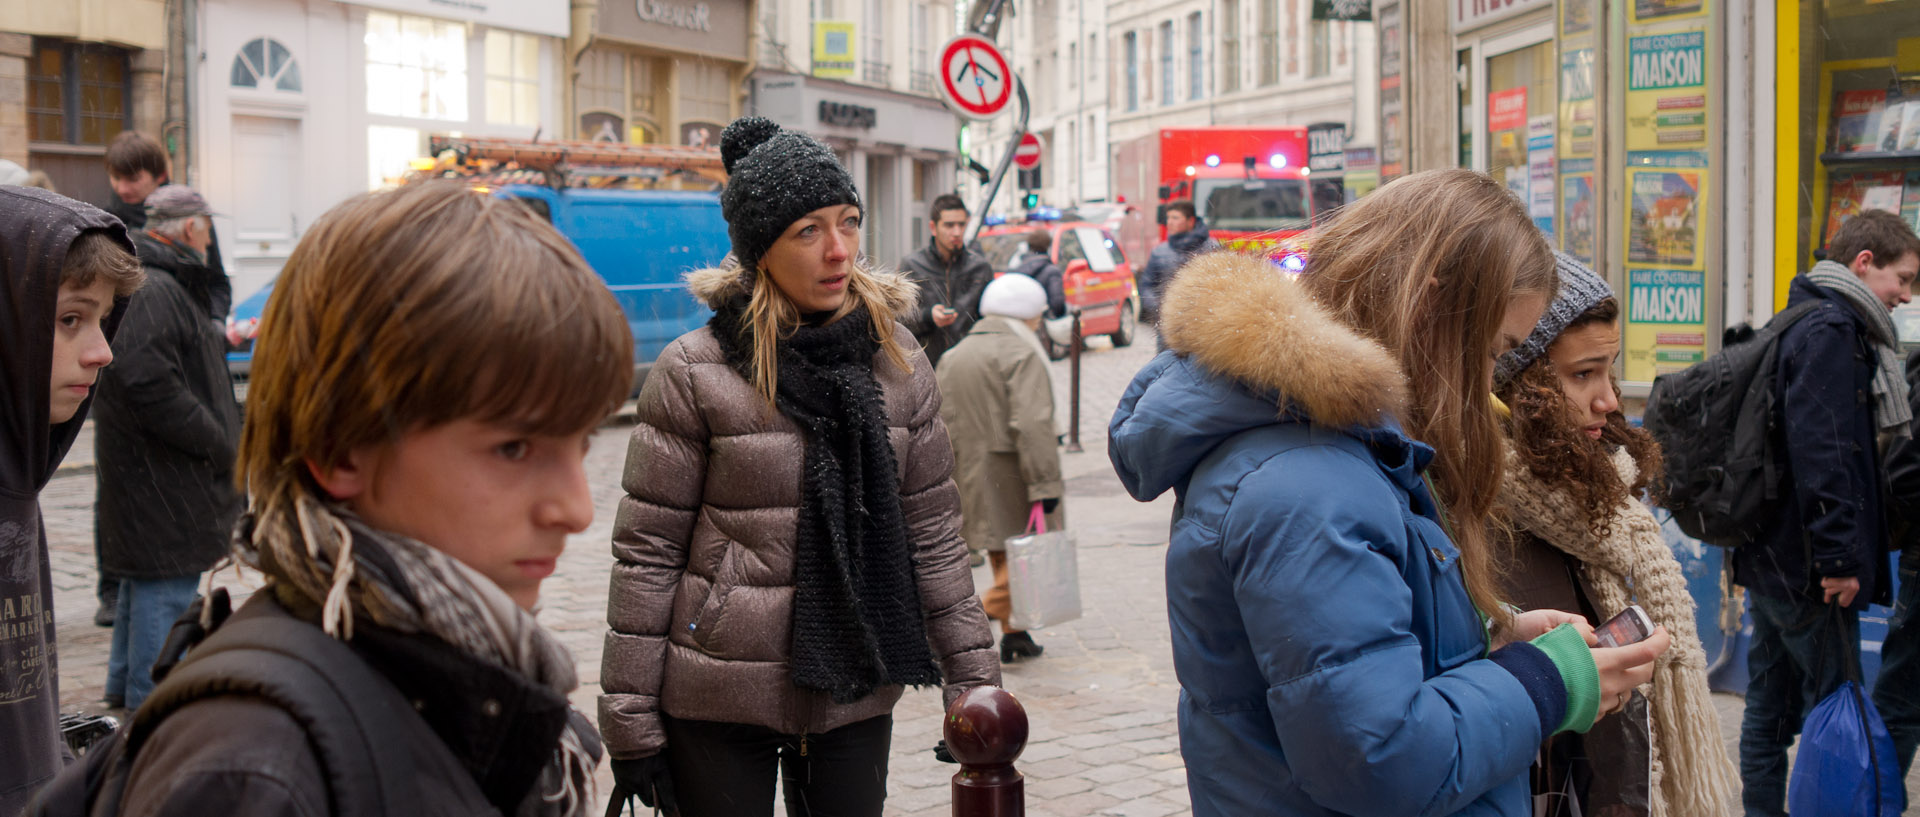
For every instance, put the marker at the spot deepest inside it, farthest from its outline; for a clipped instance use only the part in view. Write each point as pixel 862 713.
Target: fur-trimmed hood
pixel 715 286
pixel 1249 347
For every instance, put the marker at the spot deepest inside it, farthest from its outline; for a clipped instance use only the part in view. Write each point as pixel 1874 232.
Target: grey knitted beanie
pixel 776 176
pixel 1581 289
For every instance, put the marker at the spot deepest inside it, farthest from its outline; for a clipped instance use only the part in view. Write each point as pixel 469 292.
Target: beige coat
pixel 998 408
pixel 701 602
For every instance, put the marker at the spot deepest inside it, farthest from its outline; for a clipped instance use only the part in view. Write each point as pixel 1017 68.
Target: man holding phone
pixel 950 277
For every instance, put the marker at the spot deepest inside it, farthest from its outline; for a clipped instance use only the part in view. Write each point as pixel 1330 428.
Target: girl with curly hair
pixel 1580 540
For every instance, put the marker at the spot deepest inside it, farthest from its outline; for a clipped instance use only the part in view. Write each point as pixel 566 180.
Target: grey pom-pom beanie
pixel 775 177
pixel 1581 289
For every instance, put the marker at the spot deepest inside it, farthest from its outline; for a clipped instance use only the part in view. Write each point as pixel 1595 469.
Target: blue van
pixel 641 242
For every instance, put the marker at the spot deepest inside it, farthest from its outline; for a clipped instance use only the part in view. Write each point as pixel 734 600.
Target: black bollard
pixel 986 730
pixel 1073 388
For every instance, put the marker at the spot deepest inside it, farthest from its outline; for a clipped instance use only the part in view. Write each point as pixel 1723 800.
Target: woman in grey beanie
pixel 1582 541
pixel 789 550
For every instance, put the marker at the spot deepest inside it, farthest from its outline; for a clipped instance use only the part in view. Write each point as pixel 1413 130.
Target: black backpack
pixel 1714 422
pixel 351 714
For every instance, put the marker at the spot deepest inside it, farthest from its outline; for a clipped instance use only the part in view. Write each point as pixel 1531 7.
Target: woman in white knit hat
pixel 1581 541
pixel 997 402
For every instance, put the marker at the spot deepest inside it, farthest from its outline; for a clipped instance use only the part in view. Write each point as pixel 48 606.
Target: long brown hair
pixel 1427 266
pixel 1550 443
pixel 772 317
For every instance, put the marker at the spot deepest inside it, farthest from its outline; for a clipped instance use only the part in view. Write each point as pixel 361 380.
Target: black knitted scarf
pixel 857 623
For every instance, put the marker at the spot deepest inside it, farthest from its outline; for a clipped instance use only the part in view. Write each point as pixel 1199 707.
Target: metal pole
pixel 1073 388
pixel 1006 161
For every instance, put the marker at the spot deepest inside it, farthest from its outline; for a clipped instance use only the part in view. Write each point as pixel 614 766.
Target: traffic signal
pixel 1032 200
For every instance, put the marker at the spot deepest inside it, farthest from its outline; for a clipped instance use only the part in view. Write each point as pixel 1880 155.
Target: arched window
pixel 265 63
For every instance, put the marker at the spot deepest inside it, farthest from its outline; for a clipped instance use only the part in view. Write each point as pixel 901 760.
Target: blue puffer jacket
pixel 1330 660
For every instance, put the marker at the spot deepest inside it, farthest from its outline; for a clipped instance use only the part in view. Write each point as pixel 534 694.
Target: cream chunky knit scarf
pixel 1691 771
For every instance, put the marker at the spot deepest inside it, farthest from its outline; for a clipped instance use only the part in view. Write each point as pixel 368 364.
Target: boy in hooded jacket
pixel 68 268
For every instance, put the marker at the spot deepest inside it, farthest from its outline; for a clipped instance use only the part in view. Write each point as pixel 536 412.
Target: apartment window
pixel 1093 58
pixel 1229 46
pixel 1166 63
pixel 1320 52
pixel 513 78
pixel 921 58
pixel 416 67
pixel 705 91
pixel 1073 65
pixel 1196 63
pixel 1073 168
pixel 77 93
pixel 1269 42
pixel 1133 70
pixel 875 68
pixel 264 64
pixel 1092 148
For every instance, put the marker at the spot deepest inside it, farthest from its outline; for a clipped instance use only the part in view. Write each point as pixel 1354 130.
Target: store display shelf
pixel 1871 157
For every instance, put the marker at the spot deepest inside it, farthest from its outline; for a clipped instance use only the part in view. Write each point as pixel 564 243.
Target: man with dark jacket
pixel 67 267
pixel 165 436
pixel 1824 558
pixel 1187 237
pixel 1896 692
pixel 950 276
pixel 1038 264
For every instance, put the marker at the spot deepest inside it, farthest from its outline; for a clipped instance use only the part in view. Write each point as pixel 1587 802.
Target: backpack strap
pixel 354 718
pixel 1777 329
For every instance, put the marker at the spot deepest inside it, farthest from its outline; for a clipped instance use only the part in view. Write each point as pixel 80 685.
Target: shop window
pixel 706 92
pixel 602 96
pixel 513 78
pixel 1520 90
pixel 1196 57
pixel 416 67
pixel 265 64
pixel 1859 113
pixel 1269 42
pixel 1229 46
pixel 1320 48
pixel 390 154
pixel 77 93
pixel 1132 41
pixel 1166 63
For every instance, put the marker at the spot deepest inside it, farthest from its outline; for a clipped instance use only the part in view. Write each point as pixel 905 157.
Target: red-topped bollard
pixel 986 730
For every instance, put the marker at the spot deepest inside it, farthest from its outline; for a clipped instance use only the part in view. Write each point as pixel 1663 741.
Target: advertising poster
pixel 1392 131
pixel 1540 199
pixel 1576 17
pixel 1663 216
pixel 1666 321
pixel 1647 11
pixel 1667 91
pixel 1578 209
pixel 833 49
pixel 1577 110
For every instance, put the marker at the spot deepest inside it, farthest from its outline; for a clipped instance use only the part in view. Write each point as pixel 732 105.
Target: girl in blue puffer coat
pixel 1334 446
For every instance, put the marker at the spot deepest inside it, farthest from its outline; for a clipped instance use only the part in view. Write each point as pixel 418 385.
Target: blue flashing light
pixel 993 220
pixel 1044 214
pixel 1277 161
pixel 1292 263
pixel 1213 160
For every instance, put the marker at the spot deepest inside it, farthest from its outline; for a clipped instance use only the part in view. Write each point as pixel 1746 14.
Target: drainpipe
pixel 585 20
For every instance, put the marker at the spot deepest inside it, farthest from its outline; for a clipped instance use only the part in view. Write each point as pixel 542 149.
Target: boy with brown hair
pixel 68 268
pixel 432 365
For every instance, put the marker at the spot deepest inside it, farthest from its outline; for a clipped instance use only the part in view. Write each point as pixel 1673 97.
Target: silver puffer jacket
pixel 701 603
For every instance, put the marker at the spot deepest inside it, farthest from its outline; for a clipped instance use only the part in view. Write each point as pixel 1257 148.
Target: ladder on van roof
pixel 561 159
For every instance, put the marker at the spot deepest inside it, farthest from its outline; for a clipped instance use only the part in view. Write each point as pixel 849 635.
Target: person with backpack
pixel 69 268
pixel 1578 538
pixel 1840 393
pixel 1333 444
pixel 1896 691
pixel 789 555
pixel 413 451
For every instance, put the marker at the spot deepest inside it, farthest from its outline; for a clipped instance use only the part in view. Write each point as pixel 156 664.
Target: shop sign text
pixel 1667 61
pixel 697 17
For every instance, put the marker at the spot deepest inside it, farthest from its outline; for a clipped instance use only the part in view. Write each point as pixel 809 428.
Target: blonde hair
pixel 1427 266
pixel 409 309
pixel 771 317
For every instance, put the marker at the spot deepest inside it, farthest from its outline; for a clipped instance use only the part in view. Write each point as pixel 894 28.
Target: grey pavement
pixel 1101 700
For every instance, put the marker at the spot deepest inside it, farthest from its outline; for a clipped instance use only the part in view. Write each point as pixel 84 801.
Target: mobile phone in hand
pixel 1632 625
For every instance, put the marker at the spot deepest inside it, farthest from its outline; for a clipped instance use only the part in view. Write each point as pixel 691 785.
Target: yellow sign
pixel 833 49
pixel 1667 91
pixel 1666 303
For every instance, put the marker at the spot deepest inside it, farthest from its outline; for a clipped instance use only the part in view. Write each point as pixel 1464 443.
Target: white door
pixel 267 164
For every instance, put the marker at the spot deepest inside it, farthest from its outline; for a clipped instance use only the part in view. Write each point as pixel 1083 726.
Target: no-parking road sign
pixel 1027 155
pixel 974 77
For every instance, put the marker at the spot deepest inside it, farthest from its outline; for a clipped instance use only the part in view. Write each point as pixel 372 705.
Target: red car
pixel 1097 276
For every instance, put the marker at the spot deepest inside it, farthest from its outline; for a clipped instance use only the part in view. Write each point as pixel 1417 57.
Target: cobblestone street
pixel 1101 700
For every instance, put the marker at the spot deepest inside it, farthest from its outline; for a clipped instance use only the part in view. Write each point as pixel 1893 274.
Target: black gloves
pixel 940 752
pixel 646 778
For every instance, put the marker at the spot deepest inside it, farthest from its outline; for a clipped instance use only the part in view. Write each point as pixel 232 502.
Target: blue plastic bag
pixel 1846 766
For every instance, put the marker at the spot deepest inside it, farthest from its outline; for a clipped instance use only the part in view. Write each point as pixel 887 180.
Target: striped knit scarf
pixel 1891 412
pixel 1691 772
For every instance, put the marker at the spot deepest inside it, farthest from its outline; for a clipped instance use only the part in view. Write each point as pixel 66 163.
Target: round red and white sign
pixel 974 77
pixel 1027 155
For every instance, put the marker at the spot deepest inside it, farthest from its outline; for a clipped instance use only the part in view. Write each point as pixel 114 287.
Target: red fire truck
pixel 1250 184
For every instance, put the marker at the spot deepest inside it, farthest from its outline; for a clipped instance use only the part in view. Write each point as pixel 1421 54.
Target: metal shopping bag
pixel 1043 576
